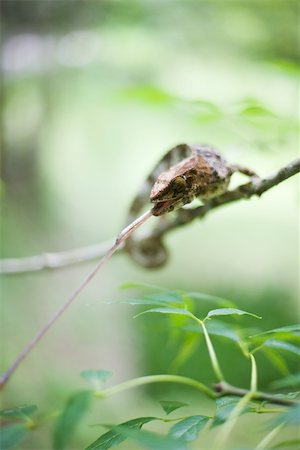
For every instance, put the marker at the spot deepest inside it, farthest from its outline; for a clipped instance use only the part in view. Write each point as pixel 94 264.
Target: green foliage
pixel 229 312
pixel 225 406
pixel 170 406
pixel 19 412
pixel 188 428
pixel 289 417
pixel 11 435
pixel 69 419
pixel 183 430
pixel 117 434
pixel 96 375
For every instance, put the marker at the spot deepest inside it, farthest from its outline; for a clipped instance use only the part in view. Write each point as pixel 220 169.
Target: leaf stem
pixel 156 379
pixel 212 354
pixel 268 438
pixel 253 382
pixel 231 421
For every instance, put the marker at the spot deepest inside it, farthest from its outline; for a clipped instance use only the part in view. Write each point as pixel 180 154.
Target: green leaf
pixel 153 441
pixel 11 435
pixel 200 296
pixel 96 375
pixel 148 94
pixel 251 107
pixel 167 310
pixel 69 419
pixel 142 286
pixel 289 417
pixel 19 411
pixel 274 343
pixel 216 328
pixel 292 380
pixel 189 428
pixel 169 406
pixel 283 333
pixel 168 297
pixel 153 299
pixel 229 312
pixel 290 443
pixel 206 111
pixel 115 436
pixel 225 406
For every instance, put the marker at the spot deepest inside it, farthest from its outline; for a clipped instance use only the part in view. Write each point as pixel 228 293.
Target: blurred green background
pixel 93 94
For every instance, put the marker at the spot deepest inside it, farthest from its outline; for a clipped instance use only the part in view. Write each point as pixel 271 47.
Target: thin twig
pixel 185 216
pixel 224 388
pixel 118 243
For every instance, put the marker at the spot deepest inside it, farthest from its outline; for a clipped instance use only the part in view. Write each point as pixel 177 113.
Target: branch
pixel 184 216
pixel 224 389
pixel 256 187
pixel 119 242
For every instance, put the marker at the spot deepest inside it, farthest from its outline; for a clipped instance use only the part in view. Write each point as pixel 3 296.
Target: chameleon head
pixel 172 190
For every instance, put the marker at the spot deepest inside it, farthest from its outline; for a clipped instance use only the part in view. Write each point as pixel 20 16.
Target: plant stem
pixel 253 382
pixel 231 421
pixel 156 379
pixel 125 233
pixel 267 439
pixel 212 354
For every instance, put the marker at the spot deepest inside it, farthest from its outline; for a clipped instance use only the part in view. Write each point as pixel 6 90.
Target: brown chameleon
pixel 184 173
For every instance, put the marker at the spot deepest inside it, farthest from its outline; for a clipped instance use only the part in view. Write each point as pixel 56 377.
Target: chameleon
pixel 184 173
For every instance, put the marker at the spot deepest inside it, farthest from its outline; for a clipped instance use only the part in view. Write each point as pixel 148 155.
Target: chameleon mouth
pixel 161 207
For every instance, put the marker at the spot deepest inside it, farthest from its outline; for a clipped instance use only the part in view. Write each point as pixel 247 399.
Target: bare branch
pixel 125 233
pixel 256 187
pixel 224 389
pixel 183 217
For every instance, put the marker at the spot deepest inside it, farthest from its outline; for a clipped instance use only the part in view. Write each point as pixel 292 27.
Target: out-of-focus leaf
pixel 252 108
pixel 96 375
pixel 199 296
pixel 216 328
pixel 170 406
pixel 188 428
pixel 115 436
pixel 229 311
pixel 292 380
pixel 289 417
pixel 280 345
pixel 153 441
pixel 148 94
pixel 11 435
pixel 69 419
pixel 167 310
pixel 167 299
pixel 143 286
pixel 19 411
pixel 285 444
pixel 225 406
pixel 287 329
pixel 185 351
pixel 288 332
pixel 206 111
pixel 276 359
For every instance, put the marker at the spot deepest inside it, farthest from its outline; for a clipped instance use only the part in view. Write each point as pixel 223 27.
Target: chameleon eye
pixel 178 184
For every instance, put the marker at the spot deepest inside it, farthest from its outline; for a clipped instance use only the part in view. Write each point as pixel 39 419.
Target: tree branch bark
pixel 184 216
pixel 223 389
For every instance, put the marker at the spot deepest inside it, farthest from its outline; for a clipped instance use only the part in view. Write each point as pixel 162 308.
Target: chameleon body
pixel 184 173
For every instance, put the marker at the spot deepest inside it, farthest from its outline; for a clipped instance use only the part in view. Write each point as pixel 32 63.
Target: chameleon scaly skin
pixel 184 173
